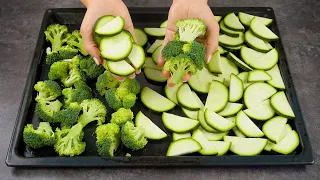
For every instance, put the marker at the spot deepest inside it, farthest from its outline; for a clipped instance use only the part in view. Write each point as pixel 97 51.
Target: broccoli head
pixel 80 92
pixel 67 52
pixel 133 137
pixel 132 85
pixel 190 29
pixel 76 40
pixel 180 66
pixel 120 97
pixel 52 56
pixel 69 115
pixel 58 70
pixel 91 69
pixel 46 110
pixel 197 52
pixel 92 110
pixel 69 141
pixel 37 138
pixel 57 35
pixel 106 81
pixel 74 75
pixel 108 139
pixel 172 49
pixel 47 90
pixel 121 116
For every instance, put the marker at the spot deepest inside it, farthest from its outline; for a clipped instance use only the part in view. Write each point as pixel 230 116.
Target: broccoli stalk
pixel 108 139
pixel 76 40
pixel 121 116
pixel 190 29
pixel 92 110
pixel 47 90
pixel 43 136
pixel 106 81
pixel 57 35
pixel 133 137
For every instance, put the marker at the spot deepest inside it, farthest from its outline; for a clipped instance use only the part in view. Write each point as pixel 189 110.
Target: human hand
pixel 182 9
pixel 96 9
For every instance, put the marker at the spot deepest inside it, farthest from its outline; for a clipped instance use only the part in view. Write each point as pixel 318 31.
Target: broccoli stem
pixel 84 120
pixel 178 74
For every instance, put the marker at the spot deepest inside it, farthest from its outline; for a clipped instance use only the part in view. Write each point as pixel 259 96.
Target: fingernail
pixel 138 71
pixel 209 57
pixel 96 60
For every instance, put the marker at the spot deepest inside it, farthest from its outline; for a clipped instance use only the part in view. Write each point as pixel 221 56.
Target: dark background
pixel 299 24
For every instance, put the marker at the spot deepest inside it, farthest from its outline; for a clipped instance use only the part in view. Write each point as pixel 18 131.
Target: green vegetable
pixel 65 52
pixel 80 92
pixel 108 139
pixel 197 52
pixel 47 90
pixel 76 40
pixel 90 68
pixel 92 110
pixel 190 29
pixel 106 81
pixel 37 138
pixel 132 85
pixel 69 115
pixel 121 116
pixel 57 35
pixel 58 70
pixel 120 97
pixel 133 137
pixel 46 110
pixel 172 49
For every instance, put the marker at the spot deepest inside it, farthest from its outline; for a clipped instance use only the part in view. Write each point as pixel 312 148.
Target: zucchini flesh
pixel 246 126
pixel 238 62
pixel 214 65
pixel 218 96
pixel 288 144
pixel 213 136
pixel 258 75
pixel 177 136
pixel 155 101
pixel 228 68
pixel 231 41
pixel 154 46
pixel 171 92
pixel 274 127
pixel 232 22
pixel 111 27
pixel 258 60
pixel 178 124
pixel 103 20
pixel 231 109
pixel 257 43
pixel 221 147
pixel 262 31
pixel 198 100
pixel 204 124
pixel 120 68
pixel 237 132
pixel 269 146
pixel 287 129
pixel 218 18
pixel 186 98
pixel 218 122
pixel 151 131
pixel 280 104
pixel 164 24
pixel 236 88
pixel 256 93
pixel 246 146
pixel 201 81
pixel 207 148
pixel 190 114
pixel 156 53
pixel 227 31
pixel 261 112
pixel 245 19
pixel 221 50
pixel 137 56
pixel 158 32
pixel 142 38
pixel 148 63
pixel 154 75
pixel 276 79
pixel 183 146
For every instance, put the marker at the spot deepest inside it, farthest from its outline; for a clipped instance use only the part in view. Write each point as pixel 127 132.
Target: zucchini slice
pixel 154 75
pixel 154 46
pixel 246 146
pixel 261 112
pixel 236 88
pixel 156 53
pixel 103 20
pixel 246 126
pixel 183 146
pixel 287 129
pixel 274 127
pixel 198 100
pixel 218 122
pixel 214 65
pixel 218 18
pixel 213 136
pixel 177 136
pixel 258 60
pixel 158 32
pixel 231 109
pixel 190 114
pixel 120 68
pixel 262 31
pixel 232 49
pixel 109 28
pixel 201 81
pixel 256 93
pixel 228 67
pixel 204 124
pixel 171 92
pixel 245 19
pixel 151 131
pixel 178 124
pixel 288 144
pixel 276 79
pixel 164 24
pixel 186 98
pixel 207 148
pixel 221 50
pixel 238 62
pixel 257 43
pixel 142 38
pixel 117 47
pixel 137 56
pixel 269 146
pixel 232 119
pixel 231 21
pixel 230 41
pixel 218 96
pixel 280 104
pixel 221 147
pixel 227 31
pixel 258 75
pixel 155 101
pixel 237 132
pixel 243 76
pixel 148 63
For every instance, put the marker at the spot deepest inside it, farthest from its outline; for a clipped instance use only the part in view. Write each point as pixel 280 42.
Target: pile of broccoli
pixel 65 102
pixel 184 55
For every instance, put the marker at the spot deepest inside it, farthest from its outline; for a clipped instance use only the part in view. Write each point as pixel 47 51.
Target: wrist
pixel 87 3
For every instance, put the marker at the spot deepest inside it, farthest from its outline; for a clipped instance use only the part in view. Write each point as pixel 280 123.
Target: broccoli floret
pixel 91 69
pixel 121 116
pixel 132 85
pixel 133 137
pixel 67 52
pixel 74 75
pixel 120 97
pixel 69 141
pixel 128 155
pixel 46 110
pixel 106 81
pixel 197 52
pixel 180 66
pixel 190 29
pixel 37 138
pixel 172 49
pixel 58 70
pixel 92 110
pixel 108 139
pixel 76 40
pixel 47 90
pixel 52 56
pixel 57 34
pixel 68 116
pixel 80 92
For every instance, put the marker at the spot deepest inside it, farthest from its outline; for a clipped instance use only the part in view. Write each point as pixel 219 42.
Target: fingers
pixel 169 37
pixel 212 39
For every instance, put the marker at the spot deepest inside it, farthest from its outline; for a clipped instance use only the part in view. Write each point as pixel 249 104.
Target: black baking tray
pixel 19 155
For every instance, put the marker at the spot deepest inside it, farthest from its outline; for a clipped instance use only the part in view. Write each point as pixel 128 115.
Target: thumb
pixel 212 40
